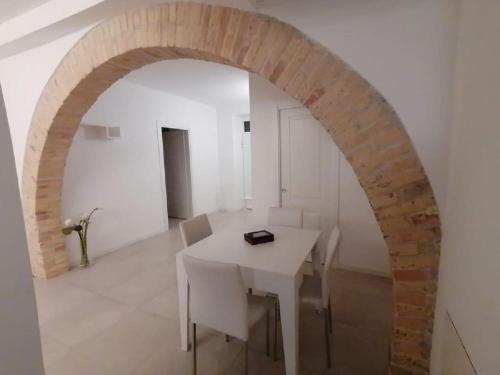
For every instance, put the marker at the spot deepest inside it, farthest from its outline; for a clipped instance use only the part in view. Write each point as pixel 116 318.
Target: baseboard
pixel 363 270
pixel 125 244
pixel 136 240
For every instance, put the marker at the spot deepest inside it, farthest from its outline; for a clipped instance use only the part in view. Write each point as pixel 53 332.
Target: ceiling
pixel 214 84
pixel 12 8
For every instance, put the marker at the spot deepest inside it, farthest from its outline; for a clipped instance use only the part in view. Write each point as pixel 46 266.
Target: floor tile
pixel 57 297
pixel 126 344
pixel 143 286
pixel 165 304
pixel 120 316
pixel 85 320
pixel 52 350
pixel 76 364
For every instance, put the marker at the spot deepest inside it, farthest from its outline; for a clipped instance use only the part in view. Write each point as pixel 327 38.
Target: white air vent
pixel 101 132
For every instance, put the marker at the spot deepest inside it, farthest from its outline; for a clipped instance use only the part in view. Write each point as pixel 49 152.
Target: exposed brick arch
pixel 360 121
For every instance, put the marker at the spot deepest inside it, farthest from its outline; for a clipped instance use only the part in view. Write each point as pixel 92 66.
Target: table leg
pixel 182 287
pixel 289 312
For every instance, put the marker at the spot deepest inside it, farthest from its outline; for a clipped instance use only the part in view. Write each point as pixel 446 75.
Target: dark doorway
pixel 177 173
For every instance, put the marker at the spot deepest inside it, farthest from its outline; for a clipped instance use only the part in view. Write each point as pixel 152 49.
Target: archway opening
pixel 360 121
pixel 132 242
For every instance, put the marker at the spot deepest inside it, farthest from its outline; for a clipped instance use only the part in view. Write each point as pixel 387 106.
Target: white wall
pixel 405 49
pixel 124 176
pixel 470 261
pixel 231 195
pixel 23 78
pixel 362 247
pixel 56 18
pixel 230 117
pixel 265 100
pixel 19 332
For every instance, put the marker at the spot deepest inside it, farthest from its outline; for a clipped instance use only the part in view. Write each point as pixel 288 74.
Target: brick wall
pixel 359 120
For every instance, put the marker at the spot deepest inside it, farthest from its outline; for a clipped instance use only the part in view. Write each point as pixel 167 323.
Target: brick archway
pixel 360 121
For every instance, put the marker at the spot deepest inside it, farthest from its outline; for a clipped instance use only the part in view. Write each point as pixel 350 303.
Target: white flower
pixel 68 222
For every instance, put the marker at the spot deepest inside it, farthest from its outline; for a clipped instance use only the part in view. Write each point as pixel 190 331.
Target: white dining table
pixel 276 267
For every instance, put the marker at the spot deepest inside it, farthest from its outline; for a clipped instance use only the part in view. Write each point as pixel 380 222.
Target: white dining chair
pixel 312 220
pixel 195 229
pixel 315 289
pixel 218 300
pixel 285 216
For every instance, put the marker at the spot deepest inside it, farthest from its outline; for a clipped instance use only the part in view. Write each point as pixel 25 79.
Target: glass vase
pixel 84 258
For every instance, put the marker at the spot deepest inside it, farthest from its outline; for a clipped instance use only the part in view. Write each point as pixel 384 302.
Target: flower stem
pixel 84 259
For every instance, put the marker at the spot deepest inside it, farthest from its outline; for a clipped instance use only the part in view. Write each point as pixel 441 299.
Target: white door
pixel 309 169
pixel 177 173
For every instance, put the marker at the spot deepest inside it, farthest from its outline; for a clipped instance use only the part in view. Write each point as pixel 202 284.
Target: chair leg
pixel 330 314
pixel 327 339
pixel 189 346
pixel 267 332
pixel 194 349
pixel 279 310
pixel 246 357
pixel 275 349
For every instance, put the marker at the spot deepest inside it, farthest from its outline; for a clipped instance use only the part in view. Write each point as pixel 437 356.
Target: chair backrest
pixel 312 220
pixel 195 229
pixel 288 217
pixel 217 296
pixel 331 250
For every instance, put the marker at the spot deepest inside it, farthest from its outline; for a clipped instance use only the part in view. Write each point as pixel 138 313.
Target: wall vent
pixel 101 132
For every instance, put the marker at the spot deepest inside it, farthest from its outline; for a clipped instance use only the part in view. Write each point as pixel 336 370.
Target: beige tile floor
pixel 120 317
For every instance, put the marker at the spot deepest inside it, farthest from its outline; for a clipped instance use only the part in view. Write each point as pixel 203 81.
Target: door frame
pixel 243 118
pixel 325 219
pixel 161 163
pixel 280 109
